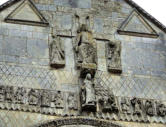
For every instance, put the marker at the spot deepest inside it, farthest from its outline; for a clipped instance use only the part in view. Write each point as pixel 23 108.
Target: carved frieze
pixel 113 53
pixel 53 102
pixel 57 53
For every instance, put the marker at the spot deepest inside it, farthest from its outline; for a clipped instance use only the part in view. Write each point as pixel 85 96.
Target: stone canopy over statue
pixel 85 48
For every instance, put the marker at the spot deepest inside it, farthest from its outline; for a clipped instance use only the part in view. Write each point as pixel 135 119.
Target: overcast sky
pixel 155 7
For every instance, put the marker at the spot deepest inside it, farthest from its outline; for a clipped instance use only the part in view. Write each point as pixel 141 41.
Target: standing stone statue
pixel 114 57
pixel 57 53
pixel 88 93
pixel 85 48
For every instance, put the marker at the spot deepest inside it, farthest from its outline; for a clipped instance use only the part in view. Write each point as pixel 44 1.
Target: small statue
pixel 161 109
pixel 72 102
pixel 149 107
pixel 45 99
pixel 88 92
pixel 57 99
pixel 20 95
pixel 125 106
pixel 85 46
pixel 114 57
pixel 33 97
pixel 136 106
pixel 2 93
pixel 57 53
pixel 109 104
pixel 9 93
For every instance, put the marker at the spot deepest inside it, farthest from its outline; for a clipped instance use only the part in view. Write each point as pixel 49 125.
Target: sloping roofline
pixel 130 2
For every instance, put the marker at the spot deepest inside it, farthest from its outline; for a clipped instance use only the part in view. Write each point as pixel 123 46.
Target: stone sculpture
pixel 161 109
pixel 125 106
pixel 57 53
pixel 2 93
pixel 9 93
pixel 58 100
pixel 109 104
pixel 33 97
pixel 85 48
pixel 72 101
pixel 88 93
pixel 45 99
pixel 149 107
pixel 114 57
pixel 137 109
pixel 20 95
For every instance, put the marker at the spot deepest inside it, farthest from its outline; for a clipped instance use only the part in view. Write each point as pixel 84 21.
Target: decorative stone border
pixel 79 121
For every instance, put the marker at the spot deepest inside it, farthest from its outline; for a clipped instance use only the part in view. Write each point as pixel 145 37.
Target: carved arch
pixel 78 121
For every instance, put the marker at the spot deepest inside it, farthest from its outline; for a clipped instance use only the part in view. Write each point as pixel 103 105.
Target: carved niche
pixel 88 99
pixel 114 56
pixel 85 48
pixel 57 53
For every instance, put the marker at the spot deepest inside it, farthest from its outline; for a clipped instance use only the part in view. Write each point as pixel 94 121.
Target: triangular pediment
pixel 26 13
pixel 136 25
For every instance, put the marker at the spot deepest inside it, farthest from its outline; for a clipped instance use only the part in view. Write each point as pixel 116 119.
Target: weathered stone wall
pixel 24 54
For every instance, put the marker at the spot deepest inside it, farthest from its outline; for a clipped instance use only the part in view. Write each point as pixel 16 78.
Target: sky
pixel 155 7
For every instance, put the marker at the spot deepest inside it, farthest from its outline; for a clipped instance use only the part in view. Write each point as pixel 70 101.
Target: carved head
pixel 88 76
pixel 84 28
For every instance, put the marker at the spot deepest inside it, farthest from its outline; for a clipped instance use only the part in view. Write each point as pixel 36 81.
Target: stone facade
pixel 88 62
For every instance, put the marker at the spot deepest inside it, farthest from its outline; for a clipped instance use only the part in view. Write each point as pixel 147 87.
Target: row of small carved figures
pixel 132 106
pixel 36 97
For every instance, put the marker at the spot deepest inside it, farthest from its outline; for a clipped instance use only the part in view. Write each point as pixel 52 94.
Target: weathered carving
pixel 114 57
pixel 45 99
pixel 2 93
pixel 57 53
pixel 137 109
pixel 72 101
pixel 19 95
pixel 88 93
pixel 78 121
pixel 125 106
pixel 33 97
pixel 85 48
pixel 57 99
pixel 109 104
pixel 52 102
pixel 161 109
pixel 149 107
pixel 9 93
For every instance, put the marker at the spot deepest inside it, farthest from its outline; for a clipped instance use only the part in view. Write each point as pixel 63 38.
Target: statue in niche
pixel 125 106
pixel 20 95
pixel 114 57
pixel 72 101
pixel 45 99
pixel 88 94
pixel 33 97
pixel 85 48
pixel 161 109
pixel 137 109
pixel 149 107
pixel 2 93
pixel 109 104
pixel 57 53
